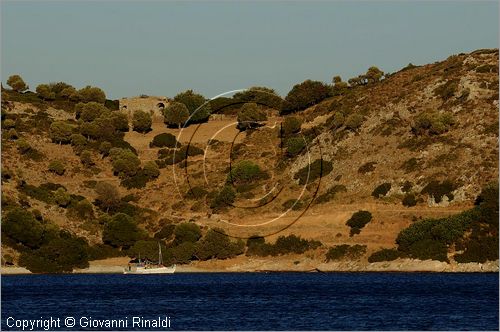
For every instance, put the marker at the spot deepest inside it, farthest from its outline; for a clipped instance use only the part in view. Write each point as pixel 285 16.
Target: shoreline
pixel 269 266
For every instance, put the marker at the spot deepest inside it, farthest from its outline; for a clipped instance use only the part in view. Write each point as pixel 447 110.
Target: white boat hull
pixel 155 270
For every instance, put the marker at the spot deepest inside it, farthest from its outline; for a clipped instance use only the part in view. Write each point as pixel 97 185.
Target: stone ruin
pixel 152 104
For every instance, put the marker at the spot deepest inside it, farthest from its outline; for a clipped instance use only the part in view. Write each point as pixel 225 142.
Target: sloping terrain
pixel 427 135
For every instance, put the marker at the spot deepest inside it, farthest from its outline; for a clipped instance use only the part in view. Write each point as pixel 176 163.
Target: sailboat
pixel 148 267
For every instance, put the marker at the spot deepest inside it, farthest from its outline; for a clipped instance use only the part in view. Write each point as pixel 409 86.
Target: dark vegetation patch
pixel 330 193
pixel 381 190
pixel 318 168
pixel 384 255
pixel 283 245
pixel 357 221
pixel 438 189
pixel 345 251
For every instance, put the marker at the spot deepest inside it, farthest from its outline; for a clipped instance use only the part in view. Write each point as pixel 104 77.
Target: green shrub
pixel 186 232
pixel 121 231
pixel 358 220
pixel 373 75
pixel 137 181
pixel 294 146
pixel 41 193
pixel 294 244
pixel 381 190
pixel 250 116
pixel 146 249
pixel 191 151
pixel 82 210
pixel 176 114
pixel 447 90
pixel 164 140
pixel 257 94
pixel 354 121
pixel 183 253
pixel 409 200
pixel 196 193
pixel 57 167
pixel 345 251
pixel 23 146
pixel 125 163
pixel 151 170
pixel 103 251
pixel 216 244
pixel 432 123
pixel 437 234
pixel 486 68
pixel 335 121
pixel 78 140
pixel 318 168
pixel 17 83
pixel 91 94
pixel 141 121
pixel 487 204
pixel 166 232
pixel 60 132
pixel 438 189
pixel 119 121
pixel 89 112
pixel 61 254
pixel 224 198
pixel 293 204
pixel 113 105
pixel 8 124
pixel 257 246
pixel 479 250
pixel 384 255
pixel 195 104
pixel 304 95
pixel 86 158
pixel 62 197
pixel 107 195
pixel 22 227
pixel 429 249
pixel 291 125
pixel 244 172
pixel 330 193
pixel 104 148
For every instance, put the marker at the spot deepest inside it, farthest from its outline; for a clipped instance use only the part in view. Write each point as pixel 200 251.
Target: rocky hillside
pixel 418 143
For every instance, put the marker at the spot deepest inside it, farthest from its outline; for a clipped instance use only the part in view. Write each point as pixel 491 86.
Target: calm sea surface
pixel 278 301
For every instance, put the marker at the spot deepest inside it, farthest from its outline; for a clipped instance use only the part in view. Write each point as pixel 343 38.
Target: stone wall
pixel 152 104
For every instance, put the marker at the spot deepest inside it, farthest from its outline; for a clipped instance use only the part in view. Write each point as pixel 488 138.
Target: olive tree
pixel 195 104
pixel 176 114
pixel 45 92
pixel 142 122
pixel 60 132
pixel 107 195
pixel 17 83
pixel 125 163
pixel 90 93
pixel 250 116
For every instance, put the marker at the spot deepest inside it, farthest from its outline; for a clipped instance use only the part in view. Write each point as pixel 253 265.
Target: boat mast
pixel 159 254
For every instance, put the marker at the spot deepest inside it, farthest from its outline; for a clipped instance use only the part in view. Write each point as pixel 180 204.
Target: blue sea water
pixel 260 301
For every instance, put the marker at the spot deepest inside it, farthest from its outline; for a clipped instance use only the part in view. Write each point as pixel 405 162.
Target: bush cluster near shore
pixel 473 234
